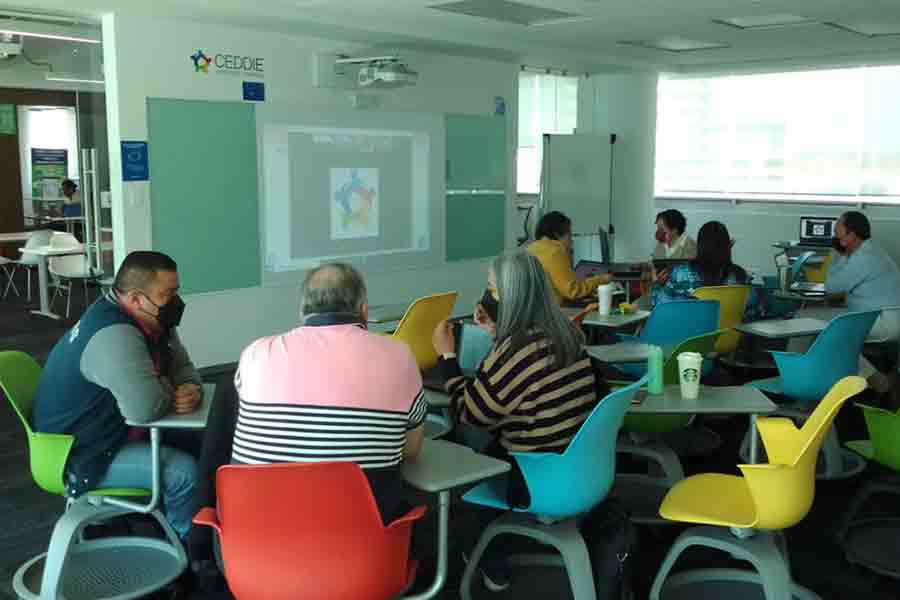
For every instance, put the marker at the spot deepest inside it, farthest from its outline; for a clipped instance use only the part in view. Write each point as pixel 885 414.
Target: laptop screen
pixel 589 268
pixel 817 228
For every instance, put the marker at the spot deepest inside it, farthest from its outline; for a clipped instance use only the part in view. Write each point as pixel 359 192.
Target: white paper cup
pixel 689 366
pixel 604 298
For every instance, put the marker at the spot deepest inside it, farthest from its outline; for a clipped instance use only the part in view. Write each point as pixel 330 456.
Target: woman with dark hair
pixel 712 266
pixel 533 390
pixel 553 249
pixel 671 240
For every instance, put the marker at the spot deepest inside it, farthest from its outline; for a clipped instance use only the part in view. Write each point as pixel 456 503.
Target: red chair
pixel 308 530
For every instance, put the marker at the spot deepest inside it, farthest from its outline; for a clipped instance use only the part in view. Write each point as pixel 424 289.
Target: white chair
pixel 68 268
pixel 29 262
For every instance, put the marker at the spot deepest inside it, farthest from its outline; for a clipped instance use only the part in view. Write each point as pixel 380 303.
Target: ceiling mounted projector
pixel 381 72
pixel 10 45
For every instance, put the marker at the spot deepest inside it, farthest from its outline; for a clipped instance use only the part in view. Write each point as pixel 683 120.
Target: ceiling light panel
pixel 869 27
pixel 765 21
pixel 508 12
pixel 675 44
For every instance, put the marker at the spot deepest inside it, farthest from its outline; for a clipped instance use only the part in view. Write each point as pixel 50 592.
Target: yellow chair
pixel 732 304
pixel 417 326
pixel 768 498
pixel 818 273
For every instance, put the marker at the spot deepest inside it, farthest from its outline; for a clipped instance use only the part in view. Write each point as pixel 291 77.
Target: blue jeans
pixel 178 474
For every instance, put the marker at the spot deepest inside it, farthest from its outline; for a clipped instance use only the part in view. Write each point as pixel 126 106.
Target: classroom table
pixel 43 252
pixel 440 467
pixel 18 236
pixel 615 320
pixel 624 352
pixel 783 328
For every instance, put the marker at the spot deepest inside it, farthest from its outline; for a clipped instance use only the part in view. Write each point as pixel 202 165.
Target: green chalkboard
pixel 476 183
pixel 204 191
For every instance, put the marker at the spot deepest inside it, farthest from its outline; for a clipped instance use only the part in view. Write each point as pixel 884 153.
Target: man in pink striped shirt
pixel 330 390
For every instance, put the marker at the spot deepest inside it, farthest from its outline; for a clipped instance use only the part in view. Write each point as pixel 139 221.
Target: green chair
pixel 642 436
pixel 870 540
pixel 73 567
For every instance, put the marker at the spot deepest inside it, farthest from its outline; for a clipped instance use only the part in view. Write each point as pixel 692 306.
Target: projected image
pixel 354 203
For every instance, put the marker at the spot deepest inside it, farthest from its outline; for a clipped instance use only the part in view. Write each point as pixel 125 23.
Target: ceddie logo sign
pixel 228 64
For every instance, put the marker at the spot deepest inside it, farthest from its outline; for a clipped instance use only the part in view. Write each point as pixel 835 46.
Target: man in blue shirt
pixel 863 274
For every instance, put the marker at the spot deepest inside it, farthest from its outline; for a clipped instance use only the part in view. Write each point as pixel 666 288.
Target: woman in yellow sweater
pixel 553 249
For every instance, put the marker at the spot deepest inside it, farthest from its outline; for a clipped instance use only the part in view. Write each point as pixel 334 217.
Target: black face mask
pixel 836 244
pixel 490 306
pixel 169 313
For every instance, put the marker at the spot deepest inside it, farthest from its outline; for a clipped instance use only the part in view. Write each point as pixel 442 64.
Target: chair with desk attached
pixel 308 530
pixel 562 487
pixel 73 567
pixel 804 378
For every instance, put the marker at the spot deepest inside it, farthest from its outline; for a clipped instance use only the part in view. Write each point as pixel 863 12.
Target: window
pixel 51 128
pixel 822 135
pixel 547 104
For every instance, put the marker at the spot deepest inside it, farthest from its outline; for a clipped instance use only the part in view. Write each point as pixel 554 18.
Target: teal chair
pixel 562 487
pixel 74 566
pixel 805 378
pixel 870 540
pixel 671 323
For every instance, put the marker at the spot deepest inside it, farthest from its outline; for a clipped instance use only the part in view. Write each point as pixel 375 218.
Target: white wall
pixel 147 58
pixel 626 105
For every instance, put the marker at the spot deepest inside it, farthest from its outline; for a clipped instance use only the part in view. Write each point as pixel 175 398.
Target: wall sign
pixel 226 63
pixel 135 161
pixel 48 169
pixel 254 91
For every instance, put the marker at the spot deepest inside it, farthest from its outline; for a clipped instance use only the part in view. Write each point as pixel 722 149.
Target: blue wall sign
pixel 135 163
pixel 254 91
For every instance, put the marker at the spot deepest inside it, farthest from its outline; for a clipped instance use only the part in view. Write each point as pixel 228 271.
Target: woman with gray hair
pixel 535 387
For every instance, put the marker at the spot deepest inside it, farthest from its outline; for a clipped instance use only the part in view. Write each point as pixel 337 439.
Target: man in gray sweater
pixel 124 360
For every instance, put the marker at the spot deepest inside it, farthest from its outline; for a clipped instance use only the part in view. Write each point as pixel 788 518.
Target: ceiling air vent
pixel 504 11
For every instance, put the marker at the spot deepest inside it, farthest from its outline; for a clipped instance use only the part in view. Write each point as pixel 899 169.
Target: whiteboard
pixel 575 179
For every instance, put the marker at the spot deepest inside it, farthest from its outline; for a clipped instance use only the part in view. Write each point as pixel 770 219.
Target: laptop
pixel 589 268
pixel 808 288
pixel 817 231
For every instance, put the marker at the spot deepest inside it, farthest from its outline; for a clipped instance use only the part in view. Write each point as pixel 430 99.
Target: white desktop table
pixel 615 320
pixel 18 236
pixel 440 467
pixel 783 328
pixel 43 252
pixel 380 314
pixel 624 352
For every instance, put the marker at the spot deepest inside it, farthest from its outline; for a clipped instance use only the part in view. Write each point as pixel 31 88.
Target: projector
pixel 386 75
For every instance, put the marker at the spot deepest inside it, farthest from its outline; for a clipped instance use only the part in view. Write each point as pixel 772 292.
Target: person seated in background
pixel 868 278
pixel 124 360
pixel 671 240
pixel 712 266
pixel 331 391
pixel 533 390
pixel 553 249
pixel 72 198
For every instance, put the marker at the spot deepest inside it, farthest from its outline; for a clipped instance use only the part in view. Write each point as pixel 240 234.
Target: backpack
pixel 611 539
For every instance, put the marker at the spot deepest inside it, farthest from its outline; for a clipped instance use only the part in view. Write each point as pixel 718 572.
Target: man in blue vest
pixel 124 360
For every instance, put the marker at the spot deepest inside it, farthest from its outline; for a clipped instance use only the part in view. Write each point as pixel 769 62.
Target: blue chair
pixel 562 487
pixel 806 378
pixel 671 323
